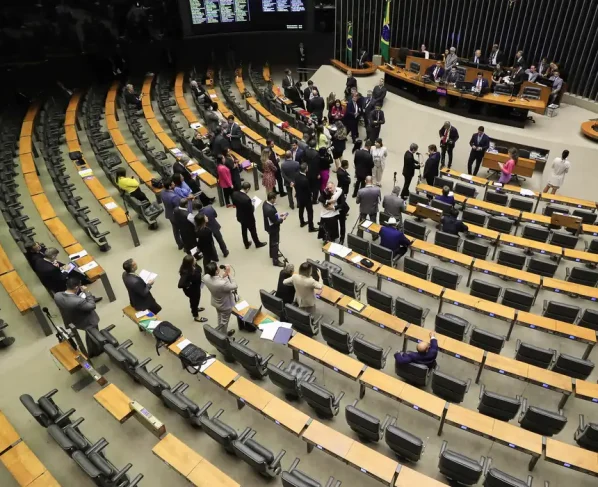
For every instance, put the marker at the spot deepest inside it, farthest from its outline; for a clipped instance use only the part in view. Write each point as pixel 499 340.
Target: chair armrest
pixel 482 389
pixel 386 353
pixel 177 386
pixel 468 384
pixel 109 328
pixel 143 363
pixel 316 321
pixel 294 464
pixel 246 432
pixel 121 473
pixel 218 413
pixel 459 279
pixel 523 407
pixel 443 448
pixel 267 359
pixel 156 369
pixel 97 447
pixel 136 480
pixel 64 416
pixel 426 235
pixel 355 335
pixel 544 306
pixel 125 345
pixel 359 286
pixel 517 344
pixel 355 402
pixel 76 423
pixel 330 482
pixel 568 272
pixel 312 379
pixel 338 398
pixel 204 410
pixel 386 422
pixel 278 458
pixel 243 341
pixel 51 393
pixel 183 387
pixel 486 462
pixel 467 328
pixel 280 364
pixel 425 313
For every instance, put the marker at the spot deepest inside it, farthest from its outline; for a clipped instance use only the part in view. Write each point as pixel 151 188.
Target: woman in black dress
pixel 339 143
pixel 205 239
pixel 190 282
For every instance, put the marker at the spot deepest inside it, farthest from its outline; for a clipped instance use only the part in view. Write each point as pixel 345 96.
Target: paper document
pixel 89 266
pixel 183 344
pixel 269 333
pixel 147 276
pixel 241 306
pixel 176 152
pixel 283 335
pixel 111 206
pixel 78 255
pixel 339 250
pixel 367 224
pixel 213 95
pixel 498 184
pixel 199 171
pixel 356 305
pixel 86 172
pixel 526 192
pixel 256 201
pixel 357 259
pixel 141 314
pixel 152 324
pixel 196 126
pixel 206 364
pixel 191 162
pixel 469 177
pixel 269 330
pixel 194 250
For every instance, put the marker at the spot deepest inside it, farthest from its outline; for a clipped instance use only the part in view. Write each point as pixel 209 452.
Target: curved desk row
pixel 371 68
pixel 588 129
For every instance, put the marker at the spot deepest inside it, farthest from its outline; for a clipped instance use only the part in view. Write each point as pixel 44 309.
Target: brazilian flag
pixel 349 44
pixel 385 36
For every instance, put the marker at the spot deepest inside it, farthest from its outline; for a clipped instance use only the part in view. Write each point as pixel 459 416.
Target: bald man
pixel 425 355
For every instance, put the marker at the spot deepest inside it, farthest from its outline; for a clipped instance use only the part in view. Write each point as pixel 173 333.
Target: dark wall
pixel 564 31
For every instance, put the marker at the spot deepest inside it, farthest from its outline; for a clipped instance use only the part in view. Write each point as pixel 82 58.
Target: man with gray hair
pixel 54 274
pixel 394 205
pixel 289 169
pixel 451 59
pixel 409 167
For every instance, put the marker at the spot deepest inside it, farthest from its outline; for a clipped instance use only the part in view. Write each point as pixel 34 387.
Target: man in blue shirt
pixel 171 200
pixel 425 355
pixel 446 196
pixel 393 239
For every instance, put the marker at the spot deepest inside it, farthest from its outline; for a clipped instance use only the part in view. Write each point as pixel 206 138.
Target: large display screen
pixel 220 16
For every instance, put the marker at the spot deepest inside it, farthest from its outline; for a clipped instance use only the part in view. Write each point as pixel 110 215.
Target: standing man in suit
pixel 302 62
pixel 343 178
pixel 543 66
pixel 532 74
pixel 211 117
pixel 481 84
pixel 519 60
pixel 171 200
pixel 479 143
pixel 368 199
pixel 140 292
pixel 186 227
pixel 295 94
pixel 54 274
pixel 219 143
pixel 213 224
pixel 352 116
pixel 78 306
pixel 379 93
pixel 436 71
pixel 409 167
pixel 364 164
pixel 517 78
pixel 451 59
pixel 304 197
pixel 316 105
pixel 477 58
pixel 557 85
pixel 312 158
pixel 351 83
pixel 272 222
pixel 496 56
pixel 296 151
pixel 288 83
pixel 223 290
pixel 308 92
pixel 245 215
pixel 376 121
pixel 448 138
pixel 367 107
pixel 289 169
pixel 235 135
pixel 276 161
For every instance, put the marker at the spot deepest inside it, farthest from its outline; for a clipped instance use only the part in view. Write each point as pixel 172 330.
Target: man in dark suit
pixel 480 84
pixel 519 60
pixel 477 58
pixel 140 292
pixel 436 71
pixel 364 163
pixel 235 134
pixel 302 61
pixel 245 215
pixel 479 143
pixel 288 82
pixel 297 152
pixel 316 105
pixel 276 161
pixel 289 169
pixel 78 306
pixel 517 78
pixel 448 138
pixel 171 200
pixel 272 222
pixel 352 116
pixel 496 56
pixel 367 107
pixel 379 93
pixel 295 94
pixel 312 158
pixel 351 83
pixel 185 226
pixel 409 167
pixel 375 123
pixel 308 92
pixel 219 143
pixel 304 197
pixel 453 76
pixel 214 225
pixel 54 274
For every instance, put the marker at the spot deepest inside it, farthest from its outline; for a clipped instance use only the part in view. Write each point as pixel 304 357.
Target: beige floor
pixel 27 367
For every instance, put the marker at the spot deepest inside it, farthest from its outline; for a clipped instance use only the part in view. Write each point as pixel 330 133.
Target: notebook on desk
pixel 356 305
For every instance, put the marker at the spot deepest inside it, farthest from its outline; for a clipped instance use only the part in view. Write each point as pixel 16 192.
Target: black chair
pixel 379 299
pixel 541 421
pixel 467 190
pixel 448 387
pixel 513 298
pixel 369 353
pixel 451 325
pixel 326 269
pixel 324 402
pixel 337 338
pixel 550 209
pixel 176 400
pixel 445 278
pixel 461 470
pixel 302 321
pixel 441 182
pixel 272 303
pixel 150 379
pixel 358 244
pixel 589 319
pixel 447 240
pixel 500 224
pixel 541 267
pixel 256 455
pixel 486 340
pixel 121 356
pixel 587 217
pixel 416 374
pixel 415 198
pixel 414 229
pixel 592 247
pixel 523 204
pixel 416 268
pixel 410 312
pixel 497 406
pixel 220 340
pixel 535 232
pixel 383 255
pixel 294 477
pixel 45 410
pixel 586 435
pixel 405 445
pixel 347 286
pixel 581 275
pixel 253 362
pixel 474 249
pixel 560 311
pixel 290 378
pixel 485 290
pixel 367 427
pixel 511 259
pixel 496 198
pixel 475 217
pixel 219 431
pixel 442 206
pixel 497 478
pixel 562 239
pixel 531 354
pixel 573 366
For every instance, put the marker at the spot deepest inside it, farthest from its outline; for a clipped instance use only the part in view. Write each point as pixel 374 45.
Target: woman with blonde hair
pixel 268 171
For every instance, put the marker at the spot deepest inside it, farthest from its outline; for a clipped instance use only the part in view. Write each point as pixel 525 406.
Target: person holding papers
pixel 393 239
pixel 190 282
pixel 245 215
pixel 223 289
pixel 272 221
pixel 54 274
pixel 305 287
pixel 479 143
pixel 139 287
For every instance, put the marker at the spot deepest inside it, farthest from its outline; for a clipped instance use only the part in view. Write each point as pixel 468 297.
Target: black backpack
pixel 166 334
pixel 192 358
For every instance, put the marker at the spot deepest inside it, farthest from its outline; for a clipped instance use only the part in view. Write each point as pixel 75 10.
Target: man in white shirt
pixel 425 51
pixel 532 74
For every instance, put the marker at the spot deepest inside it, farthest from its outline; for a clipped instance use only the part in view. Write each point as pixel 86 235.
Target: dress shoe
pixel 260 245
pixel 225 254
pixel 201 310
pixel 212 200
pixel 200 320
pixel 302 224
pixel 313 230
pixel 97 300
pixel 283 194
pixel 247 245
pixel 292 207
pixel 277 263
pixel 230 333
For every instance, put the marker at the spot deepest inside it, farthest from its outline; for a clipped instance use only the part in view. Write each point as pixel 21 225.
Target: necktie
pixel 479 139
pixel 479 84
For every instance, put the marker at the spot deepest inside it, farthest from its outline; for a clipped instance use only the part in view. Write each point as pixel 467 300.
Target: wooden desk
pixel 434 191
pixel 44 207
pixel 380 382
pixel 5 264
pixel 524 243
pixel 462 350
pixel 166 141
pixel 461 300
pixel 25 145
pixel 549 379
pixel 411 478
pixel 422 401
pixel 23 299
pixel 469 420
pixel 45 480
pixel 524 167
pixel 155 126
pixel 407 280
pixel 26 129
pixel 247 392
pixel 67 356
pixel 568 201
pixel 115 401
pixel 176 454
pixel 22 463
pixel 343 364
pixel 96 187
pixel 207 475
pixel 8 435
pixel 304 345
pixel 531 320
pixel 285 415
pixel 493 208
pixel 463 177
pixel 587 129
pixel 516 437
pixel 571 457
pixel 580 256
pixel 27 163
pixel 128 155
pixel 329 295
pixel 142 172
pixel 492 268
pixel 221 374
pixel 372 463
pixel 586 390
pixel 71 118
pixel 506 366
pixel 386 321
pixel 33 183
pixel 327 439
pixel 343 306
pixel 61 233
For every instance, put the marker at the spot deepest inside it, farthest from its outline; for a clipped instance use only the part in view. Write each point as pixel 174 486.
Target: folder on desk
pixel 356 305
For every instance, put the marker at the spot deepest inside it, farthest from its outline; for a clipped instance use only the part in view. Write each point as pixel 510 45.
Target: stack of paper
pixel 183 344
pixel 469 177
pixel 256 201
pixel 85 172
pixel 357 259
pixel 195 126
pixel 366 224
pixel 269 329
pixel 89 266
pixel 111 206
pixel 526 192
pixel 140 314
pixel 206 364
pixel 199 171
pixel 176 152
pixel 152 324
pixel 147 276
pixel 242 305
pixel 339 250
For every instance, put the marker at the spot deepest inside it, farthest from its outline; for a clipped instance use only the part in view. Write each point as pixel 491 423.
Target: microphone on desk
pixel 61 333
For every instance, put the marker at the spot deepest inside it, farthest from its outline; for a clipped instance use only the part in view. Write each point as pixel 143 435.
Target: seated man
pixel 436 71
pixel 446 196
pixel 451 225
pixel 393 239
pixel 425 355
pixel 131 97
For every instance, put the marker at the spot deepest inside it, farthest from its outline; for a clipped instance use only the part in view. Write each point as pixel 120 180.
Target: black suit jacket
pixel 298 156
pixel 453 134
pixel 484 141
pixel 518 80
pixel 376 118
pixel 271 220
pixel 185 227
pixel 316 105
pixel 308 91
pixel 51 276
pixel 379 94
pixel 302 189
pixel 480 60
pixel 409 164
pixel 140 295
pixel 312 158
pixel 236 135
pixel 244 206
pixel 351 83
pixel 364 163
pixel 219 143
pixel 500 57
pixel 343 178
